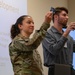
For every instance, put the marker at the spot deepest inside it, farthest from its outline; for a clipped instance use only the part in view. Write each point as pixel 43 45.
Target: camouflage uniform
pixel 25 58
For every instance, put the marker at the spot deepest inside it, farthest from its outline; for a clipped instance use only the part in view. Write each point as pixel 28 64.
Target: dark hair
pixel 14 28
pixel 58 10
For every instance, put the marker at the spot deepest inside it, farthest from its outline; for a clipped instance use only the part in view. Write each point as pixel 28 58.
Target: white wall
pixel 37 9
pixel 71 6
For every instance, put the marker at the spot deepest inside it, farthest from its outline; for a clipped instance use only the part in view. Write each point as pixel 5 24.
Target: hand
pixel 48 17
pixel 69 28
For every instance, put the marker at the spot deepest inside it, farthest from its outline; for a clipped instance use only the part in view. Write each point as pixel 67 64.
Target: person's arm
pixel 52 45
pixel 32 43
pixel 70 27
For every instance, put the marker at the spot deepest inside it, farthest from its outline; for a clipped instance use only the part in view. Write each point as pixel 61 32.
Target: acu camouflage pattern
pixel 24 57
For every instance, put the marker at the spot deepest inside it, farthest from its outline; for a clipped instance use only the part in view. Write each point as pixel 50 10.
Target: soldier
pixel 23 54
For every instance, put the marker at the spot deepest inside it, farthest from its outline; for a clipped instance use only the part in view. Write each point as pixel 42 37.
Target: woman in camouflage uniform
pixel 23 54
